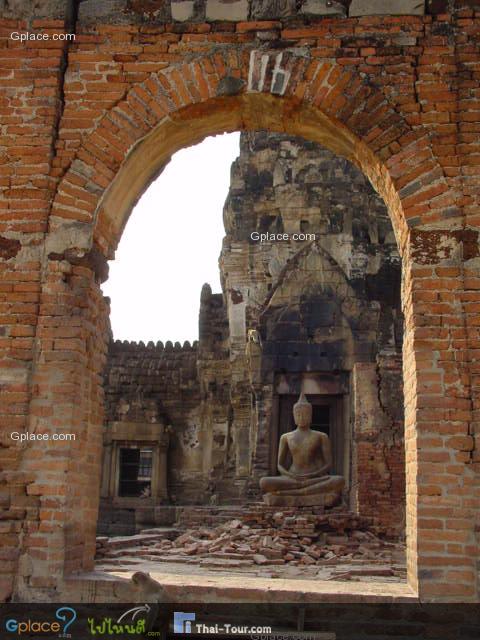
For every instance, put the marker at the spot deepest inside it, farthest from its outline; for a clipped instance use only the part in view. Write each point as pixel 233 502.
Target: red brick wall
pixel 378 458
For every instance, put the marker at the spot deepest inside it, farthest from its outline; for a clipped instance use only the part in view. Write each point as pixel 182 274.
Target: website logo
pixel 128 622
pixel 182 622
pixel 66 614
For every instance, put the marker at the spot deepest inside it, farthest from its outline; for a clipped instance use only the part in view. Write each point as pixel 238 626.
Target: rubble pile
pixel 269 539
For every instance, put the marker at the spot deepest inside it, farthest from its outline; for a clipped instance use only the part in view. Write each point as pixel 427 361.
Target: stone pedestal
pixel 312 500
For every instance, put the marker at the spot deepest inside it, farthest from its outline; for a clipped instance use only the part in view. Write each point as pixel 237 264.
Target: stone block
pixel 391 8
pixel 323 8
pixel 18 9
pixel 223 10
pixel 72 235
pixel 182 11
pixel 165 515
pixel 100 9
pixel 312 500
pixel 272 9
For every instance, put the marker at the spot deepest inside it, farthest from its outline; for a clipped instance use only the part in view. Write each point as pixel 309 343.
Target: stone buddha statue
pixel 307 481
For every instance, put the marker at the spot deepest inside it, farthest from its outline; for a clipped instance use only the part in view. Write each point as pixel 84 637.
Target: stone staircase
pixel 124 535
pixel 118 546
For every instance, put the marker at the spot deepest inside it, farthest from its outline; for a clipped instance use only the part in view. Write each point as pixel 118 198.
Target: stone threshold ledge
pixel 164 587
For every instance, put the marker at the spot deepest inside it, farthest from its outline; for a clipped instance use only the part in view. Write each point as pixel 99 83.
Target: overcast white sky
pixel 171 244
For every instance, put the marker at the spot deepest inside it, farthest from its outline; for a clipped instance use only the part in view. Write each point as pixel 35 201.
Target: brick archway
pixel 179 106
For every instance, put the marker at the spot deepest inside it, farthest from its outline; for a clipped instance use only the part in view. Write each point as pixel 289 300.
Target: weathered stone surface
pixel 17 9
pixel 312 500
pixel 230 10
pixel 69 236
pixel 301 329
pixel 323 8
pixel 392 7
pixel 94 9
pixel 272 9
pixel 182 10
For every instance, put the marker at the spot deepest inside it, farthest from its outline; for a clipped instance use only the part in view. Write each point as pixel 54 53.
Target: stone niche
pixel 318 312
pixel 329 394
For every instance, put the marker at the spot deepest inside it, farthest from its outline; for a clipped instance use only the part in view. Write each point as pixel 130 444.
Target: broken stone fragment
pixel 258 558
pixel 234 524
pixel 183 539
pixel 191 549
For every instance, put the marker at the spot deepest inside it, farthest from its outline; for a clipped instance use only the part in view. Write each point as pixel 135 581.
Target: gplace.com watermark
pixel 33 437
pixel 31 36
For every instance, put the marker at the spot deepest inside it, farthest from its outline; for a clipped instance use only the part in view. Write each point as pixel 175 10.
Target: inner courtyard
pixel 191 429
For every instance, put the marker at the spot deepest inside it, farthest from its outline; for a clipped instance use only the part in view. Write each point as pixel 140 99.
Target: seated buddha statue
pixel 307 481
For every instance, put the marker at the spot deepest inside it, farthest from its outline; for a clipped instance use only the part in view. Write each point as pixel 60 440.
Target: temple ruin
pixel 199 424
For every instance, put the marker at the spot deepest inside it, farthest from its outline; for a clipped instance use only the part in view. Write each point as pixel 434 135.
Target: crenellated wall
pixel 185 388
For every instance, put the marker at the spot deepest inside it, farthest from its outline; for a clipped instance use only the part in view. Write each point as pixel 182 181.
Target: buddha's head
pixel 302 412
